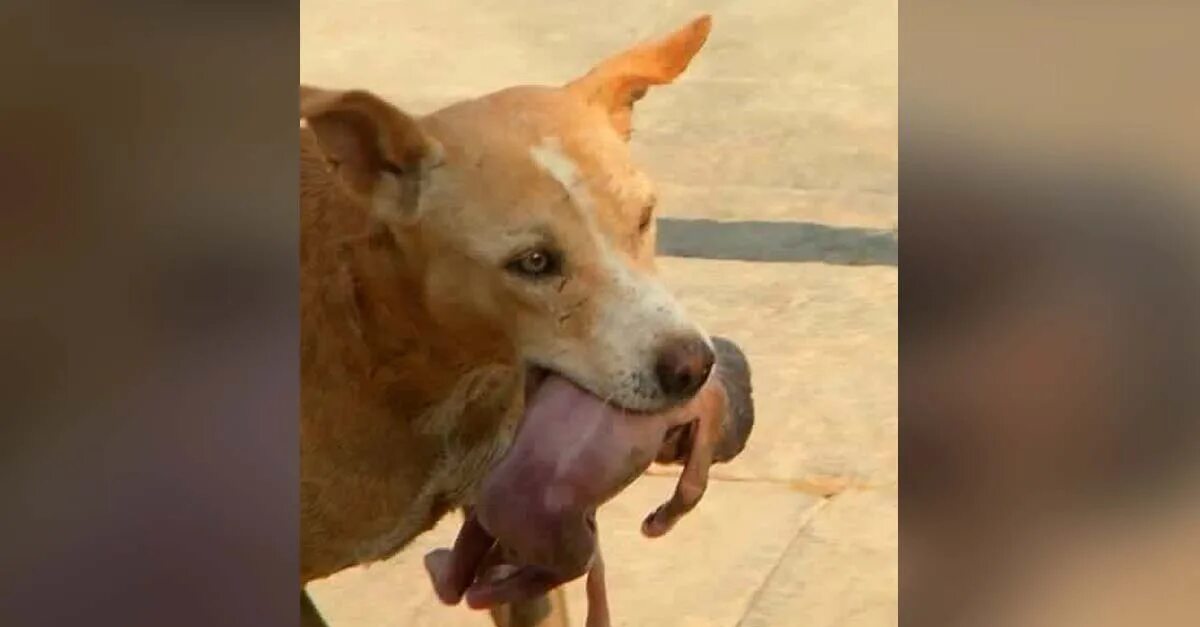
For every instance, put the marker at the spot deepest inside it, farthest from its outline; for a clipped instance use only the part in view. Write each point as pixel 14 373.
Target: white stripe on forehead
pixel 550 157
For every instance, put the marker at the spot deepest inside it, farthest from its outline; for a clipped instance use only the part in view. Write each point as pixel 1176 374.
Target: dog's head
pixel 526 214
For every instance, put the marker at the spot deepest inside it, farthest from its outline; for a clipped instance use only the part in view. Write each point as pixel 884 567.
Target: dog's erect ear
pixel 378 150
pixel 622 80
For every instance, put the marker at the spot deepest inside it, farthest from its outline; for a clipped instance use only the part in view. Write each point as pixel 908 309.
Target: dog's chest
pixel 472 429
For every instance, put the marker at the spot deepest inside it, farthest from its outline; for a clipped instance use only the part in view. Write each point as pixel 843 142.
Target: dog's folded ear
pixel 622 80
pixel 378 151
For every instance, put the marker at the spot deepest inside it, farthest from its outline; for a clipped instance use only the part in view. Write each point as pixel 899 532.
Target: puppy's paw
pixel 438 564
pixel 657 524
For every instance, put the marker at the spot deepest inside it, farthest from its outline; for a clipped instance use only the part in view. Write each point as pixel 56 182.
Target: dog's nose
pixel 683 366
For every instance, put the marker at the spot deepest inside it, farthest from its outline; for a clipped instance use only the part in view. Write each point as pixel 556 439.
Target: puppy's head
pixel 524 214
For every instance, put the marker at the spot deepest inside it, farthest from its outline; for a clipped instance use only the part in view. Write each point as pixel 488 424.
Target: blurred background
pixel 1049 363
pixel 148 314
pixel 775 160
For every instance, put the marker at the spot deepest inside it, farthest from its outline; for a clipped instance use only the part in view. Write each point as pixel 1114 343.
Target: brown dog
pixel 453 266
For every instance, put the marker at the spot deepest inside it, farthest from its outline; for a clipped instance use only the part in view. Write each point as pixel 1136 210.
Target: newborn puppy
pixel 571 454
pixel 479 568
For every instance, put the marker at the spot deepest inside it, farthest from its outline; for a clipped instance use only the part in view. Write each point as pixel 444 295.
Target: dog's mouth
pixel 535 376
pixel 589 448
pixel 533 524
pixel 572 452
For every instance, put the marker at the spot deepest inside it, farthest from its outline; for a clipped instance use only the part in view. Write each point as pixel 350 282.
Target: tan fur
pixel 414 336
pixel 388 443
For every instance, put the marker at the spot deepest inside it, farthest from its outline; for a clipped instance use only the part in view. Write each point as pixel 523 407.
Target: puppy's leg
pixel 692 481
pixel 453 570
pixel 309 616
pixel 547 610
pixel 597 594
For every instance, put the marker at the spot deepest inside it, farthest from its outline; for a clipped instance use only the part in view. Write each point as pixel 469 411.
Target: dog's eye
pixel 536 263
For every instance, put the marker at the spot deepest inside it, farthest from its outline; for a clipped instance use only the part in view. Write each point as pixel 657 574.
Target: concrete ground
pixel 776 160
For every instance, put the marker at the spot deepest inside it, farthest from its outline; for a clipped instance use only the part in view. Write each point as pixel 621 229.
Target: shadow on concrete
pixel 776 241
